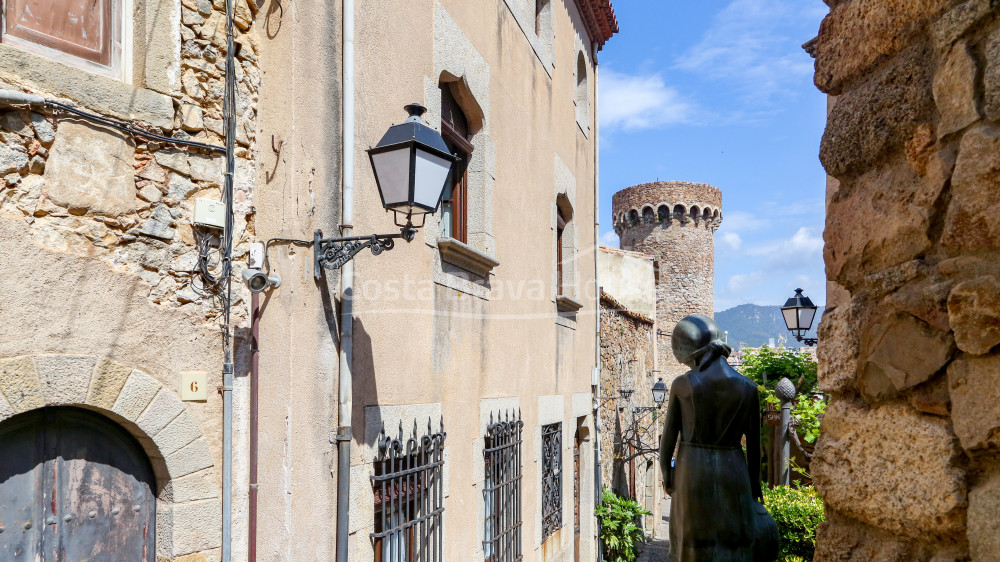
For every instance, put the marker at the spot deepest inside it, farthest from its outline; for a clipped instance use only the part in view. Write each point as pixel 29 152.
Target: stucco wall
pixel 429 332
pixel 628 277
pixel 906 461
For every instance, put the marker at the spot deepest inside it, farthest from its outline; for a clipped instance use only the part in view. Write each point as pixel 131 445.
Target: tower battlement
pixel 667 203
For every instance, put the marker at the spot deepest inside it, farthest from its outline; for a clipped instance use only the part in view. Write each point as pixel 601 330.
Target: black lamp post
pixel 411 165
pixel 799 312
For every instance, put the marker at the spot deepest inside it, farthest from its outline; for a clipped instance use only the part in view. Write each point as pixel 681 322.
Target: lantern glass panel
pixel 791 318
pixel 429 178
pixel 806 316
pixel 659 396
pixel 392 168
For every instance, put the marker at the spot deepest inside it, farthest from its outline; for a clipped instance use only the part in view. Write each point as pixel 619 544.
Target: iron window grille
pixel 409 496
pixel 502 489
pixel 551 479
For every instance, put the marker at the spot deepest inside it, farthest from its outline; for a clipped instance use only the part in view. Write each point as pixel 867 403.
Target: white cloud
pixel 742 221
pixel 731 239
pixel 747 44
pixel 790 254
pixel 743 282
pixel 609 238
pixel 633 101
pixel 779 266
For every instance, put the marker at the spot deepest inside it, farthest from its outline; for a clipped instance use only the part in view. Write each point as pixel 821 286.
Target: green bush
pixel 619 532
pixel 797 510
pixel 798 366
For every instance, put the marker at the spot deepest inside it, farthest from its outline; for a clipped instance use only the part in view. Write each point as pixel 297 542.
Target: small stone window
pixel 82 33
pixel 582 93
pixel 662 214
pixel 647 215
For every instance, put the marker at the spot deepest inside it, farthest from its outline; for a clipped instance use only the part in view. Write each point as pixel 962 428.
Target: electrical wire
pixel 130 128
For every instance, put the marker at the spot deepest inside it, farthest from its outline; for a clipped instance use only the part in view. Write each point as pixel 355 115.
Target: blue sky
pixel 721 92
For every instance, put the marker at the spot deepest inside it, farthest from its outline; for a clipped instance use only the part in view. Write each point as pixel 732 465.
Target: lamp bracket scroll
pixel 333 253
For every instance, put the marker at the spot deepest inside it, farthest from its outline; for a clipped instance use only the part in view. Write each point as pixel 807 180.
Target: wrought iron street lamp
pixel 799 312
pixel 411 165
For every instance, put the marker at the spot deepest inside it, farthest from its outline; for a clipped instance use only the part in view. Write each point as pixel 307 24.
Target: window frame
pixel 119 49
pixel 455 131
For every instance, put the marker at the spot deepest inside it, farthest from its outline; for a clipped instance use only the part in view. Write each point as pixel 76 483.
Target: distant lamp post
pixel 411 165
pixel 659 392
pixel 799 312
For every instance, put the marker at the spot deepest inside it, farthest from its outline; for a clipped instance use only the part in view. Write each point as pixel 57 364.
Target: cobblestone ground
pixel 658 550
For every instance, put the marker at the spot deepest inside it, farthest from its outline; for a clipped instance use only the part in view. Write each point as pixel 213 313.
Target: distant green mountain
pixel 754 325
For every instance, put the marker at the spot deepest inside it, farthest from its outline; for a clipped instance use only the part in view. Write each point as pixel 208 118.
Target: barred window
pixel 502 490
pixel 409 497
pixel 551 479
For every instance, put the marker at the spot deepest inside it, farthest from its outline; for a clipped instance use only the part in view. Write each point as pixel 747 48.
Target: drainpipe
pixel 254 356
pixel 596 382
pixel 346 292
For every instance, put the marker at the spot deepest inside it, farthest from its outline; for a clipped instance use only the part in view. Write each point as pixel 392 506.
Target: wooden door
pixel 74 486
pixel 576 497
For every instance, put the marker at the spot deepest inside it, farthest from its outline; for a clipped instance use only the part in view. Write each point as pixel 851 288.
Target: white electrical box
pixel 255 259
pixel 209 212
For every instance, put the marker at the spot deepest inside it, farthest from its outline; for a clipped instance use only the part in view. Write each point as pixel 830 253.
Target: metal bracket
pixel 333 253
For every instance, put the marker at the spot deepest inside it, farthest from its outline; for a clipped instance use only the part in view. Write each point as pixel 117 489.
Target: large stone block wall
pixel 676 223
pixel 909 460
pixel 626 362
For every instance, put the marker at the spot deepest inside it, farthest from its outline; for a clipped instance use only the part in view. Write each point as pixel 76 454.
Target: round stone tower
pixel 674 221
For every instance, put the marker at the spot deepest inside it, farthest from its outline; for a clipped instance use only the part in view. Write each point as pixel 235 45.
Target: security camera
pixel 258 281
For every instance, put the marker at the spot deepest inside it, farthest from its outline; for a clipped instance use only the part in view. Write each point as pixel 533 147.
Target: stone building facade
pixel 107 312
pixel 907 461
pixel 628 362
pixel 675 222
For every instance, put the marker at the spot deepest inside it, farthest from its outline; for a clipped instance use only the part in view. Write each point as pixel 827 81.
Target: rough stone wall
pixel 675 222
pixel 90 191
pixel 626 362
pixel 908 459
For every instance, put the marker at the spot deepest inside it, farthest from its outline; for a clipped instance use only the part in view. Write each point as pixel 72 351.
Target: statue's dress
pixel 712 505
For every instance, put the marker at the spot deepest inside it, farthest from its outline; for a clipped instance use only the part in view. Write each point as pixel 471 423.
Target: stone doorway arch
pixel 188 506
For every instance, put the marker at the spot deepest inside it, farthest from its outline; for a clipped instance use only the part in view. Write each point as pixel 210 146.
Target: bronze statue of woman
pixel 715 509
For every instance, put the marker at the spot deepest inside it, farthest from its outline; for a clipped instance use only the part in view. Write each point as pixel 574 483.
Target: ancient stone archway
pixel 187 484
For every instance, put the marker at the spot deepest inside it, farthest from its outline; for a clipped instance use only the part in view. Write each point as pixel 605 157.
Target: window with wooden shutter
pixel 81 32
pixel 455 130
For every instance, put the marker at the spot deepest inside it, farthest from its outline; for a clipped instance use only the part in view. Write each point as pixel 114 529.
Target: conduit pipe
pixel 597 311
pixel 254 357
pixel 346 291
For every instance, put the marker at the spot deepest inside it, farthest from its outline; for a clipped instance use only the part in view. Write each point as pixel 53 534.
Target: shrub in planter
pixel 797 510
pixel 619 530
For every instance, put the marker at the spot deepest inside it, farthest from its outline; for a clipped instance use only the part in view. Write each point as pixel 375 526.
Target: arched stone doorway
pixel 74 486
pixel 188 508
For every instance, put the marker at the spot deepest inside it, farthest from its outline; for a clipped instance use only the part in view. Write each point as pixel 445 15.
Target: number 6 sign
pixel 193 386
